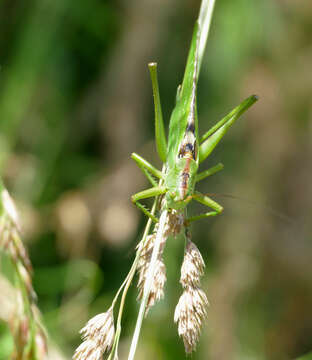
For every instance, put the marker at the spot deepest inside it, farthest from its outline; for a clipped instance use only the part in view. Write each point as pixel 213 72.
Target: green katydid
pixel 185 149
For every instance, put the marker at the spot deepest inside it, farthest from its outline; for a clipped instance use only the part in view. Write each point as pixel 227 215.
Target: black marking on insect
pixel 188 150
pixel 185 176
pixel 191 127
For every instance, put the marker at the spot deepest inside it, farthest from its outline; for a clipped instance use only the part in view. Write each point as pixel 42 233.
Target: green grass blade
pixel 198 44
pixel 204 21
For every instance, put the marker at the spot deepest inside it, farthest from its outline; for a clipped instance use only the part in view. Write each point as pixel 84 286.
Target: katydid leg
pixel 209 172
pixel 205 200
pixel 160 135
pixel 212 137
pixel 145 194
pixel 146 212
pixel 201 216
pixel 147 168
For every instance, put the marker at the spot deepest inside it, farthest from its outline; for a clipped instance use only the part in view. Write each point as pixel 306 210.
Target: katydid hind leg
pixel 207 201
pixel 201 216
pixel 149 177
pixel 146 211
pixel 211 171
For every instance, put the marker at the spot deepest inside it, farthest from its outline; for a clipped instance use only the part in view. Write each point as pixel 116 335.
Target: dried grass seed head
pixel 159 278
pixel 157 288
pixel 98 336
pixel 146 251
pixel 88 350
pixel 189 314
pixel 174 223
pixel 41 345
pixel 10 208
pixel 192 267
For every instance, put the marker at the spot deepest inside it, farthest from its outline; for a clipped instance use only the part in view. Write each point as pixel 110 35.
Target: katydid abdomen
pixel 180 182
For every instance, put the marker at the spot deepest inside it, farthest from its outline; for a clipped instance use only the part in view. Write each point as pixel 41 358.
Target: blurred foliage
pixel 75 101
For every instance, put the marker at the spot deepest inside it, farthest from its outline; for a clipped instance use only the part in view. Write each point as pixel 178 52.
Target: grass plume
pixel 28 333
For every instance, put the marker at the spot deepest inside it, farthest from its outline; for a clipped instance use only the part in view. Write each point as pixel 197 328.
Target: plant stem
pixel 127 282
pixel 148 283
pixel 204 21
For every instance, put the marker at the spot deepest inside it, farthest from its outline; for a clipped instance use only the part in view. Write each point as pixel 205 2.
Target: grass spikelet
pixel 28 333
pixel 191 310
pixel 98 337
pixel 159 278
pixel 192 267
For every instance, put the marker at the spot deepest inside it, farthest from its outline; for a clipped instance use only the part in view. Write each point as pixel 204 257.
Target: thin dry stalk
pixel 93 347
pixel 172 227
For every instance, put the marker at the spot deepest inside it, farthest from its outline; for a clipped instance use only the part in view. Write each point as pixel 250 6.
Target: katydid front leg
pixel 205 200
pixel 147 168
pixel 212 137
pixel 145 194
pixel 160 135
pixel 161 144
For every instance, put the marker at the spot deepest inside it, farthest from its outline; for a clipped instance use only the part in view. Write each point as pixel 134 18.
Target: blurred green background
pixel 75 101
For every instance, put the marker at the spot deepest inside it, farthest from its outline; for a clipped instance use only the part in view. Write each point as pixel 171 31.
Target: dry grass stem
pixel 173 226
